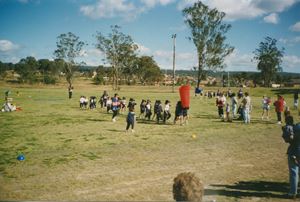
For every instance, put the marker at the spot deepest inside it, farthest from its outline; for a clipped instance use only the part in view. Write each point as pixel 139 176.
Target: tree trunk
pixel 200 69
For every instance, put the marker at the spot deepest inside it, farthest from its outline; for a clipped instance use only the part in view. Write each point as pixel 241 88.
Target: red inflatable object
pixel 184 92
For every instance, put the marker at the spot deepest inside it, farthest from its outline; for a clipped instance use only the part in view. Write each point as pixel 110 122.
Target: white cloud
pixel 153 3
pixel 143 49
pixel 92 56
pixel 240 62
pixel 295 27
pixel 8 46
pixel 244 9
pixel 126 9
pixel 291 63
pixel 272 18
pixel 274 5
pixel 291 41
pixel 109 9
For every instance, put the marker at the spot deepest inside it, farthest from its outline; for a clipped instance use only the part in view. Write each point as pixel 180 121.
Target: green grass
pixel 74 154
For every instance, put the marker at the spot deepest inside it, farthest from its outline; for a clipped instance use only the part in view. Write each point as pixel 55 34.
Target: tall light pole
pixel 228 82
pixel 174 45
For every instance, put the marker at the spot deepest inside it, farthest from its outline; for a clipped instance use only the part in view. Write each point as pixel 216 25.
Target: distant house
pixel 210 81
pixel 275 85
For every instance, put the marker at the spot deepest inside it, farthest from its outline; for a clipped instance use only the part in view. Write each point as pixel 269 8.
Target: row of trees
pixel 120 52
pixel 208 33
pixel 31 70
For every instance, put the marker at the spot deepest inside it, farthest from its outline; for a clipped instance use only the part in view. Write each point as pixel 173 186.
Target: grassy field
pixel 81 155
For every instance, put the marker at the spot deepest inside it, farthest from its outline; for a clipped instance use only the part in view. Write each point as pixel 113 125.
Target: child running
pixel 159 110
pixel 130 119
pixel 178 113
pixel 115 107
pixel 148 110
pixel 143 109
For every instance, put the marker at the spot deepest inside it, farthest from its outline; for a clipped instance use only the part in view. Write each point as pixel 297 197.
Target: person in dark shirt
pixel 130 119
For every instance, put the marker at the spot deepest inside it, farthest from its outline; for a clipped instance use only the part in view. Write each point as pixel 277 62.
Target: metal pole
pixel 174 46
pixel 228 82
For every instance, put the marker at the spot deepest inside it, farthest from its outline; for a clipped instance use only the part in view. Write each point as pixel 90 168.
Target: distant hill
pixel 220 73
pixel 209 73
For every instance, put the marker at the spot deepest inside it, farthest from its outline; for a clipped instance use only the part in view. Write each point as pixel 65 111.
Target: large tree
pixel 49 70
pixel 269 58
pixel 147 70
pixel 119 50
pixel 208 34
pixel 27 68
pixel 68 49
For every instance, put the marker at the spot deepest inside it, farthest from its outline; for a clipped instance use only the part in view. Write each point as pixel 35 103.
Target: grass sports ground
pixel 81 155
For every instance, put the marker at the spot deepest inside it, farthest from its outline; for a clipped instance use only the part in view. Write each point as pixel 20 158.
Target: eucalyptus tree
pixel 208 34
pixel 269 58
pixel 119 49
pixel 69 47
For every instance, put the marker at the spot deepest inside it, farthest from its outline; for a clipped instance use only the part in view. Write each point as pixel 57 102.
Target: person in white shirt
pixel 266 107
pixel 167 113
pixel 246 107
pixel 81 102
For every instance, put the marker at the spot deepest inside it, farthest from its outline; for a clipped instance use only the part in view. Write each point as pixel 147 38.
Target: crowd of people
pixel 160 112
pixel 238 105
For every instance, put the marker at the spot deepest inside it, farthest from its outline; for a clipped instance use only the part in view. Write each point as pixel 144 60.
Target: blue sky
pixel 30 28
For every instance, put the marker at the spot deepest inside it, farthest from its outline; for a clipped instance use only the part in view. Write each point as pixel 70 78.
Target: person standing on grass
pixel 130 118
pixel 115 106
pixel 234 104
pixel 103 99
pixel 178 113
pixel 143 109
pixel 266 107
pixel 246 108
pixel 158 112
pixel 148 110
pixel 220 103
pixel 279 107
pixel 296 98
pixel 167 113
pixel 291 135
pixel 70 91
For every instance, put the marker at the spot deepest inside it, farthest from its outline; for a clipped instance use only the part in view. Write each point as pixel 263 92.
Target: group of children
pixel 159 112
pixel 84 102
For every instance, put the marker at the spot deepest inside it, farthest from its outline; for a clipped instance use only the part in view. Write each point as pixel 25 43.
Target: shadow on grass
pixel 259 189
pixel 116 131
pixel 207 116
pixel 96 120
pixel 239 121
pixel 284 91
pixel 152 122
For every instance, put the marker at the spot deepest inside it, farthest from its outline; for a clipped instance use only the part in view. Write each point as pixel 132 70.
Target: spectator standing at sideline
pixel 296 98
pixel 279 107
pixel 266 107
pixel 290 134
pixel 246 108
pixel 220 102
